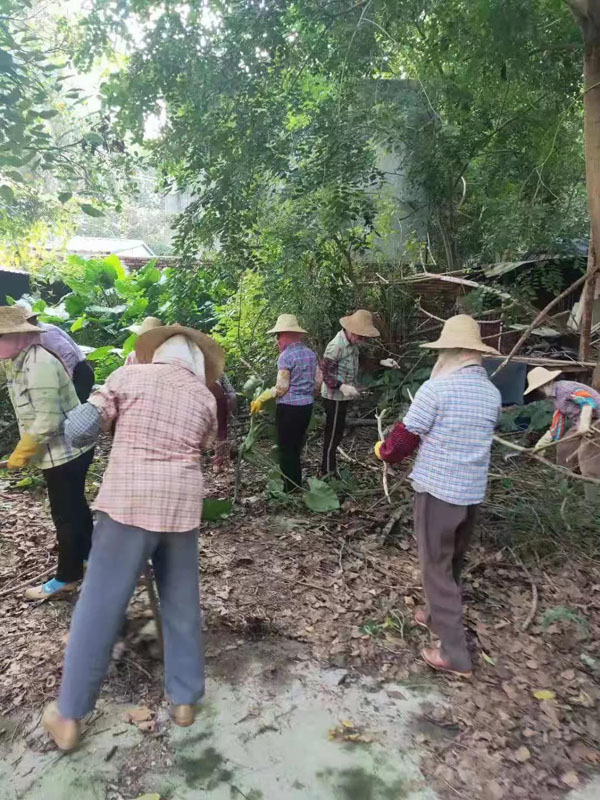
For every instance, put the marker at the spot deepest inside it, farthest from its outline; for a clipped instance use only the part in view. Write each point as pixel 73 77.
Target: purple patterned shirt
pixel 302 365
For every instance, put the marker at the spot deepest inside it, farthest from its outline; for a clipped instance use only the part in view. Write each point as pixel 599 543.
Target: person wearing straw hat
pixel 575 404
pixel 149 506
pixel 42 394
pixel 147 325
pixel 68 352
pixel 340 376
pixel 451 421
pixel 298 380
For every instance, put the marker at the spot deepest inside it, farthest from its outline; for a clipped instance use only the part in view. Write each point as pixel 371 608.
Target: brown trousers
pixel 443 534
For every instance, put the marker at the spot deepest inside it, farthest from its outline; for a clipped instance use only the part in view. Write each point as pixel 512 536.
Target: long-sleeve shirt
pixel 165 416
pixel 455 416
pixel 60 344
pixel 340 365
pixel 568 398
pixel 42 395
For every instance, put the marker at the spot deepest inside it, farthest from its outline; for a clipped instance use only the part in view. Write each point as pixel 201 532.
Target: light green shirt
pixel 42 394
pixel 345 355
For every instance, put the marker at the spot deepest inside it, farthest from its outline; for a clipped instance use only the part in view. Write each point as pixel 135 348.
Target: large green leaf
pixel 320 497
pixel 91 211
pixel 7 194
pixel 213 509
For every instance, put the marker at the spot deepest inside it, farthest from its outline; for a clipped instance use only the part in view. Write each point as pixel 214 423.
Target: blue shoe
pixel 49 589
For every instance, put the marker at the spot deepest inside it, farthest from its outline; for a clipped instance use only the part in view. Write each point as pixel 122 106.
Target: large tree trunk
pixel 587 13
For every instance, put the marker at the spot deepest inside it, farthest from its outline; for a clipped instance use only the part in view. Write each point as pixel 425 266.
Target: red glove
pixel 399 444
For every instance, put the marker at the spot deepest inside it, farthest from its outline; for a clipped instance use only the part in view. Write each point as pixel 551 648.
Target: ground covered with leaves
pixel 527 725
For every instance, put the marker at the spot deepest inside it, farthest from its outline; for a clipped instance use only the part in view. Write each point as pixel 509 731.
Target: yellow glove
pixel 377 449
pixel 256 405
pixel 26 448
pixel 544 441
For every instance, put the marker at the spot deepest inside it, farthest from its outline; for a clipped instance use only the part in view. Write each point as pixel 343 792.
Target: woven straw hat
pixel 287 323
pixel 147 325
pixel 461 333
pixel 13 319
pixel 214 355
pixel 540 376
pixel 360 323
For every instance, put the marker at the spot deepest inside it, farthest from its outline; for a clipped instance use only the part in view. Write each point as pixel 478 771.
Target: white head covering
pixel 451 360
pixel 182 352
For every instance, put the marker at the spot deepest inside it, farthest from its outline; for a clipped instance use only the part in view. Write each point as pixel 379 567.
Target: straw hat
pixel 360 323
pixel 461 333
pixel 287 323
pixel 147 325
pixel 29 312
pixel 214 355
pixel 538 377
pixel 13 319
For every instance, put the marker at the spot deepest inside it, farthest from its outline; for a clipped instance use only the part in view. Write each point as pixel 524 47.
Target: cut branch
pixel 526 451
pixel 386 490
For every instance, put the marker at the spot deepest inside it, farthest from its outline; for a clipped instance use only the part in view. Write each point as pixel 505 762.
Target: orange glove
pixel 25 450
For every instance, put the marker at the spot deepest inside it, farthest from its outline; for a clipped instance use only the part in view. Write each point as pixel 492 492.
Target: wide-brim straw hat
pixel 540 376
pixel 214 355
pixel 287 323
pixel 147 325
pixel 13 319
pixel 360 323
pixel 461 333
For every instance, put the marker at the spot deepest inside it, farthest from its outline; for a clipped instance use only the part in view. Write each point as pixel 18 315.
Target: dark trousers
pixel 292 423
pixel 335 422
pixel 71 515
pixel 443 534
pixel 83 380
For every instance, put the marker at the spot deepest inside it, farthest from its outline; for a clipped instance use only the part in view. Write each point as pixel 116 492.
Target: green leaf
pixel 91 211
pixel 7 194
pixel 64 197
pixel 39 305
pixel 78 324
pixel 320 497
pixel 24 483
pixel 93 138
pixel 213 509
pixel 48 114
pixel 75 304
pixel 114 262
pixel 129 344
pixel 101 352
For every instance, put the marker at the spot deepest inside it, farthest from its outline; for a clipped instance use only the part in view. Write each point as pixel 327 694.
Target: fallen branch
pixel 566 472
pixel 534 592
pixel 394 518
pixel 543 313
pixel 149 582
pixel 27 583
pixel 386 490
pixel 345 457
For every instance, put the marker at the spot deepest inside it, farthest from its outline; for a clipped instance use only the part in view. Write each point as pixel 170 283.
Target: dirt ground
pixel 526 726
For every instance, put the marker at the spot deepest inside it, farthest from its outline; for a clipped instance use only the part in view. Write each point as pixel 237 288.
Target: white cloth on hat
pixel 182 352
pixel 451 360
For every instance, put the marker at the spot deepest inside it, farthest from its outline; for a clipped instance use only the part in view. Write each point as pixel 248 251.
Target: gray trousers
pixel 119 553
pixel 443 534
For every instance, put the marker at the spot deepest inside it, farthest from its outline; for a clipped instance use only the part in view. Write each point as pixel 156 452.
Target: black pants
pixel 83 380
pixel 291 422
pixel 335 422
pixel 71 515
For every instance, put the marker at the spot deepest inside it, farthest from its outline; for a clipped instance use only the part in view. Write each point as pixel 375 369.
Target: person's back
pixel 455 416
pixel 165 417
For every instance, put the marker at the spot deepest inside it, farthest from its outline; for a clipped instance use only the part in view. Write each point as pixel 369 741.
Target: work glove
pixel 349 392
pixel 545 440
pixel 390 363
pixel 256 405
pixel 377 449
pixel 26 448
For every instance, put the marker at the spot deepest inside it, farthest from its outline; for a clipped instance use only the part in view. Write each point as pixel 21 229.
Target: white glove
pixel 545 440
pixel 390 363
pixel 349 392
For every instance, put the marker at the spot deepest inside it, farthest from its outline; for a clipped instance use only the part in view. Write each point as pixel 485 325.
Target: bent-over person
pixel 149 507
pixel 451 421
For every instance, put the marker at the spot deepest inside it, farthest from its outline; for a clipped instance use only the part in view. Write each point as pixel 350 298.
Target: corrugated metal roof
pixel 101 244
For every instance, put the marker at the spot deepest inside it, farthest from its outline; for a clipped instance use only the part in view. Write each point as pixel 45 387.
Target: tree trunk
pixel 587 13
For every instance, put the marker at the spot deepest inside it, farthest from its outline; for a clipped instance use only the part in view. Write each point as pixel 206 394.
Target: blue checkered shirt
pixel 455 417
pixel 302 364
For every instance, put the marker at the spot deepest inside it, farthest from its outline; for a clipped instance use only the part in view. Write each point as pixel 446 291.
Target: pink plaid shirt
pixel 164 417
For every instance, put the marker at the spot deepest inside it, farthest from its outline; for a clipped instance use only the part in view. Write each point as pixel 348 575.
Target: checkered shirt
pixel 340 365
pixel 302 365
pixel 42 394
pixel 164 417
pixel 455 417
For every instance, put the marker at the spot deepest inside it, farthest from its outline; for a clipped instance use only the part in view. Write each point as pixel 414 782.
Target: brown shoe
pixel 434 659
pixel 184 716
pixel 38 593
pixel 421 619
pixel 65 732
